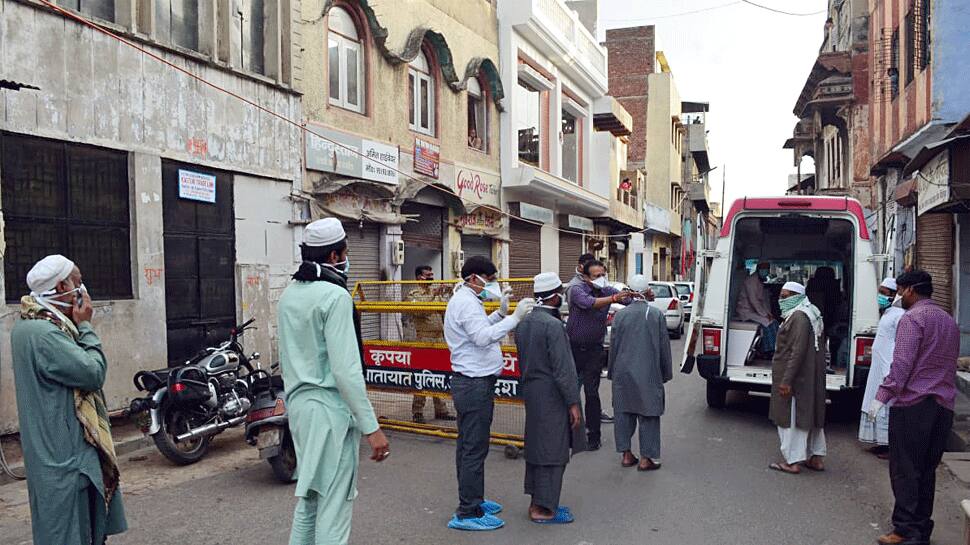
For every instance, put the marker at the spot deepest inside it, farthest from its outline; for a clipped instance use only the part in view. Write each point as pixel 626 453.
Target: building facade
pixel 833 109
pixel 402 108
pixel 163 189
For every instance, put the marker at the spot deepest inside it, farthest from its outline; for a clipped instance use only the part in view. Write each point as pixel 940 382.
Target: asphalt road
pixel 714 488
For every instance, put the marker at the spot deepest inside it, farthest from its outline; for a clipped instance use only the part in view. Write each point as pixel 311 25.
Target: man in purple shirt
pixel 920 391
pixel 589 306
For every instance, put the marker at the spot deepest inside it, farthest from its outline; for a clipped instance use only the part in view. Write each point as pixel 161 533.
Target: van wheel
pixel 716 395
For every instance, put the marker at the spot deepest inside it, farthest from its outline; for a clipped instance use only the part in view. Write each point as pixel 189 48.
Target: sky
pixel 749 63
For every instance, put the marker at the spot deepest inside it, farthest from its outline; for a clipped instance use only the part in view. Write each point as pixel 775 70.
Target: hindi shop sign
pixel 328 150
pixel 196 186
pixel 934 183
pixel 476 186
pixel 427 158
pixel 427 369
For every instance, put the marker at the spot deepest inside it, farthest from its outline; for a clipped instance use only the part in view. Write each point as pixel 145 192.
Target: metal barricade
pixel 408 365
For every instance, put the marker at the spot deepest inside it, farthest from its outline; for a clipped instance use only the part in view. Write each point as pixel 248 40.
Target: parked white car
pixel 686 292
pixel 667 300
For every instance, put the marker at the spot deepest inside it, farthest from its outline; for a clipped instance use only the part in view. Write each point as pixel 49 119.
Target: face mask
pixel 492 291
pixel 601 282
pixel 48 297
pixel 788 304
pixel 763 273
pixel 342 268
pixel 552 307
pixel 884 301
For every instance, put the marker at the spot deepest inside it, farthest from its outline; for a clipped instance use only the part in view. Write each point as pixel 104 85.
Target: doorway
pixel 200 257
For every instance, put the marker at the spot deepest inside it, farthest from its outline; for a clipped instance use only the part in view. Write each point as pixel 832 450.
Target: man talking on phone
pixel 59 370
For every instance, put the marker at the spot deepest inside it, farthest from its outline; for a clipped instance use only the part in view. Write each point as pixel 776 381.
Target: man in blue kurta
pixel 59 370
pixel 325 392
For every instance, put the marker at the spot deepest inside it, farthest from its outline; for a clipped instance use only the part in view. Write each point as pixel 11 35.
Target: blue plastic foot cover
pixel 563 516
pixel 480 524
pixel 491 507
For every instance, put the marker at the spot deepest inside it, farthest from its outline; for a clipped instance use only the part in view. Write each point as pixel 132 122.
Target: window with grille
pixel 61 198
pixel 102 9
pixel 893 71
pixel 921 35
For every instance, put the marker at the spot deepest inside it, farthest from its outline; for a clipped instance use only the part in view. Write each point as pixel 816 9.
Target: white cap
pixel 794 287
pixel 889 282
pixel 544 282
pixel 47 272
pixel 324 232
pixel 639 283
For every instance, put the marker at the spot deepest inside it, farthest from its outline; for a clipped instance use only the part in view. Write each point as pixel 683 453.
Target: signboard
pixel 535 213
pixel 476 186
pixel 933 181
pixel 382 163
pixel 328 150
pixel 196 186
pixel 413 368
pixel 579 222
pixel 481 222
pixel 427 158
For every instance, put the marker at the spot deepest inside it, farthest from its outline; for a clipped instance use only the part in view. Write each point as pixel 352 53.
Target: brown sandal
pixel 652 467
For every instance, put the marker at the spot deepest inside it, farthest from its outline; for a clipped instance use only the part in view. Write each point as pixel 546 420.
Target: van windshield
pixel 815 252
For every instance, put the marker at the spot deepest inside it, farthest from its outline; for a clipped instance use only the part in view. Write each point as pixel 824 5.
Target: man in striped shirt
pixel 920 391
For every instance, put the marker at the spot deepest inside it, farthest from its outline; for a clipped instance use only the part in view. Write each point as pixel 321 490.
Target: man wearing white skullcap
pixel 874 429
pixel 640 364
pixel 59 371
pixel 321 360
pixel 550 387
pixel 798 382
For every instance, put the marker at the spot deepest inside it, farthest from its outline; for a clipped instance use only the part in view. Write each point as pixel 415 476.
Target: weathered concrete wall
pixel 470 30
pixel 97 91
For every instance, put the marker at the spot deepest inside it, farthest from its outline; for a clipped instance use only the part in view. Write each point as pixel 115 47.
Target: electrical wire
pixel 301 126
pixel 783 12
pixel 672 15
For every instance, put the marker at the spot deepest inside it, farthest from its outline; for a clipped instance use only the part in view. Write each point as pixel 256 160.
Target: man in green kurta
pixel 59 370
pixel 325 392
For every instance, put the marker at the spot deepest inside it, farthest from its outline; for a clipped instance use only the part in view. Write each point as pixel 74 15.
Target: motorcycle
pixel 188 405
pixel 267 425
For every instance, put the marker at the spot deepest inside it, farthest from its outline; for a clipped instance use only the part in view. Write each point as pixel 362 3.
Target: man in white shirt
pixel 474 339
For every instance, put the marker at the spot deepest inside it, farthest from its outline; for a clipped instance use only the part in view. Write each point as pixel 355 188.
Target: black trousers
pixel 917 438
pixel 474 400
pixel 590 360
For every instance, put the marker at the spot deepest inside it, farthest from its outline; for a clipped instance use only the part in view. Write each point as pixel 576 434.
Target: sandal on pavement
pixel 624 463
pixel 784 468
pixel 652 467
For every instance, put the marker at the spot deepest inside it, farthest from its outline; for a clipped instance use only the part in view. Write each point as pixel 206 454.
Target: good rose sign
pixel 476 186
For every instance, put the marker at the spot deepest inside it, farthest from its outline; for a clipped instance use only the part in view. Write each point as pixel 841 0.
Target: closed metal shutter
pixel 524 249
pixel 364 252
pixel 570 248
pixel 934 254
pixel 476 245
pixel 427 232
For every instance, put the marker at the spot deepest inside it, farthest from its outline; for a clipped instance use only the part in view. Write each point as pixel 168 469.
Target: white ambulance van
pixel 797 236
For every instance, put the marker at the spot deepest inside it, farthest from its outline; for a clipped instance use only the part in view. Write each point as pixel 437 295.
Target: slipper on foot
pixel 778 467
pixel 630 464
pixel 481 524
pixel 491 507
pixel 563 516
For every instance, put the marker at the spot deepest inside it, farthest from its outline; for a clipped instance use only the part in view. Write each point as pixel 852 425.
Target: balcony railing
pixel 565 22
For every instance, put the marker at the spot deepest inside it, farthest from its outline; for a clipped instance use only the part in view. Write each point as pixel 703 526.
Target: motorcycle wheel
pixel 175 422
pixel 284 463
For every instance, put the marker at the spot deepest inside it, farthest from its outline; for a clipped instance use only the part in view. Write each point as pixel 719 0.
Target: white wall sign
pixel 476 186
pixel 934 183
pixel 535 213
pixel 382 162
pixel 196 186
pixel 579 222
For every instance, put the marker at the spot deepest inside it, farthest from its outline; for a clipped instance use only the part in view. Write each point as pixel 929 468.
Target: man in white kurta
pixel 325 393
pixel 875 431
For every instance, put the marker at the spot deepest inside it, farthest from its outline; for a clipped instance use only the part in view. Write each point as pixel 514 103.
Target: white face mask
pixel 601 282
pixel 49 296
pixel 552 307
pixel 491 291
pixel 342 268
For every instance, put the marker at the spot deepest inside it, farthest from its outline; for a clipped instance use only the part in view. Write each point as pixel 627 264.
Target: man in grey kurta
pixel 551 390
pixel 798 382
pixel 639 365
pixel 59 370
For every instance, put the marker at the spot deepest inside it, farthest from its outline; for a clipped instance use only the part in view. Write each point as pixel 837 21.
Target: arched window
pixel 421 93
pixel 477 116
pixel 346 63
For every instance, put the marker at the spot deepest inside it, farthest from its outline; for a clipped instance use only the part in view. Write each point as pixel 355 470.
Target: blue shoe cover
pixel 480 524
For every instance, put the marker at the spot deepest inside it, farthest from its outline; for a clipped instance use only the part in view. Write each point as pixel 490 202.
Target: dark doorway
pixel 200 256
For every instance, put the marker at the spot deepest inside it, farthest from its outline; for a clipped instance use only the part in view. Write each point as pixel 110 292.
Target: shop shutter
pixel 364 253
pixel 934 254
pixel 570 248
pixel 524 249
pixel 427 231
pixel 476 245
